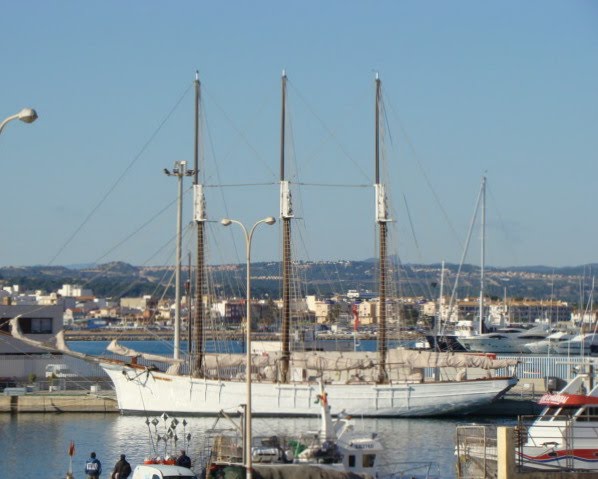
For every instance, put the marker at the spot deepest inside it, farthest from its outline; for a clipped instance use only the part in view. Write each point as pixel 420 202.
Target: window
pixel 369 460
pixel 36 325
pixel 351 460
pixel 5 325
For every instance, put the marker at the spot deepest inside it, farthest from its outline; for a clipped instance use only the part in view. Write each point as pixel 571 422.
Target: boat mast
pixel 199 216
pixel 381 219
pixel 439 315
pixel 286 213
pixel 483 255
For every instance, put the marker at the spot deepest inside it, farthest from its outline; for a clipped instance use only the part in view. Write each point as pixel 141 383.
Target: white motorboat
pixel 505 340
pixel 162 471
pixel 550 344
pixel 565 434
pixel 586 343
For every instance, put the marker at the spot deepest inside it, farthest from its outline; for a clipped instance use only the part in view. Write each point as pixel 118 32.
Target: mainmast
pixel 483 255
pixel 286 213
pixel 199 216
pixel 381 219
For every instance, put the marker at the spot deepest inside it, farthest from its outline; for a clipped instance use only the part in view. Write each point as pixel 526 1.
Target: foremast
pixel 286 213
pixel 199 216
pixel 381 220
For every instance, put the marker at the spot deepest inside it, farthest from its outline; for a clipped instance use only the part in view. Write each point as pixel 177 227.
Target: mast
pixel 439 315
pixel 286 213
pixel 483 255
pixel 199 216
pixel 381 219
pixel 439 320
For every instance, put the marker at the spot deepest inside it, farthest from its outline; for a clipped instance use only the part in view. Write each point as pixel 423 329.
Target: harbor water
pixel 36 445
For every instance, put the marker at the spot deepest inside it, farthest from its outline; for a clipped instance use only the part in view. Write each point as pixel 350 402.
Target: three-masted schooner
pixel 384 383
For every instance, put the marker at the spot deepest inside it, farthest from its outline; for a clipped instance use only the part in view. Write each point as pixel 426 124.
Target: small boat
pixel 162 471
pixel 565 434
pixel 336 446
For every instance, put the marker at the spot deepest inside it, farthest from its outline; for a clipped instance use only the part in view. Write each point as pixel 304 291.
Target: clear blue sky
pixel 506 88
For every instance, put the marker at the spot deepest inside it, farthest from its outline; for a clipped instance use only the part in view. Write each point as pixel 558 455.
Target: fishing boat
pixel 565 434
pixel 336 446
pixel 389 382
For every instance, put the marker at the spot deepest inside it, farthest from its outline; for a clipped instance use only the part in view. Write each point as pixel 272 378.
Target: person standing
pixel 122 469
pixel 183 460
pixel 93 467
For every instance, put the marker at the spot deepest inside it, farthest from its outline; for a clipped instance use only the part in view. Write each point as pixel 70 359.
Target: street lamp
pixel 179 170
pixel 27 115
pixel 248 236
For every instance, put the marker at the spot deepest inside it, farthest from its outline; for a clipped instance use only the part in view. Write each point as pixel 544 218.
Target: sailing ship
pixel 385 383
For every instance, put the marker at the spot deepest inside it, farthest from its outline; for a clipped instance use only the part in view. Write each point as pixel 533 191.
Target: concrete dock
pixel 59 402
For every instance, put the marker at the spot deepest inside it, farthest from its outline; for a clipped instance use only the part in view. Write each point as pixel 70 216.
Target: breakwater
pixel 238 335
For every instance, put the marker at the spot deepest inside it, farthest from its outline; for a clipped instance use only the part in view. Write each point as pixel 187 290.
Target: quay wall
pixel 58 403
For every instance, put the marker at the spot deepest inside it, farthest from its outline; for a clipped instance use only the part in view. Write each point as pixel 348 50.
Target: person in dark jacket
pixel 122 469
pixel 93 467
pixel 183 460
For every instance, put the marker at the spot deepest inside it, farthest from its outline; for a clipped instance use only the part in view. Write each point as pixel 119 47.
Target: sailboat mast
pixel 483 255
pixel 381 219
pixel 199 215
pixel 286 214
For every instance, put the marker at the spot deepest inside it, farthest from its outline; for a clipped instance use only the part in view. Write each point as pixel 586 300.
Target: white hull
pixel 140 391
pixel 491 345
pixel 505 340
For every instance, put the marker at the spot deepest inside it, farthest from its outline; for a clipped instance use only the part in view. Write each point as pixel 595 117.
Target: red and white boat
pixel 565 435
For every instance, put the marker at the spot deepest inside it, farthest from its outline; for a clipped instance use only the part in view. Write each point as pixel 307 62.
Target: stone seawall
pixel 58 403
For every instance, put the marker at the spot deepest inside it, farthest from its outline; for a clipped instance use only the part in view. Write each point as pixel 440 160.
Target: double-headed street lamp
pixel 27 115
pixel 180 170
pixel 248 236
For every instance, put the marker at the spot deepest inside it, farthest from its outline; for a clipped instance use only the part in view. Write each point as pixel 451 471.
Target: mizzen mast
pixel 286 213
pixel 199 216
pixel 381 220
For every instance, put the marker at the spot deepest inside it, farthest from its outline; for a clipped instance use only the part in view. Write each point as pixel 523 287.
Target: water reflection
pixel 35 445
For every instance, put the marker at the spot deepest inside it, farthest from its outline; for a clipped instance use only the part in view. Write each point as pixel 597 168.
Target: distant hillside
pixel 118 279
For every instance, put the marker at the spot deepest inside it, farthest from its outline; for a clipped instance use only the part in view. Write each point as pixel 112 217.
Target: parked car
pixel 59 371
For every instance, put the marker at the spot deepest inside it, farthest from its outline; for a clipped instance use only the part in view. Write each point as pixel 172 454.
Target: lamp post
pixel 26 115
pixel 248 236
pixel 179 170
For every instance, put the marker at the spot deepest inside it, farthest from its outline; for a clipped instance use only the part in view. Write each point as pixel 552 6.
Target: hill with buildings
pixel 118 279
